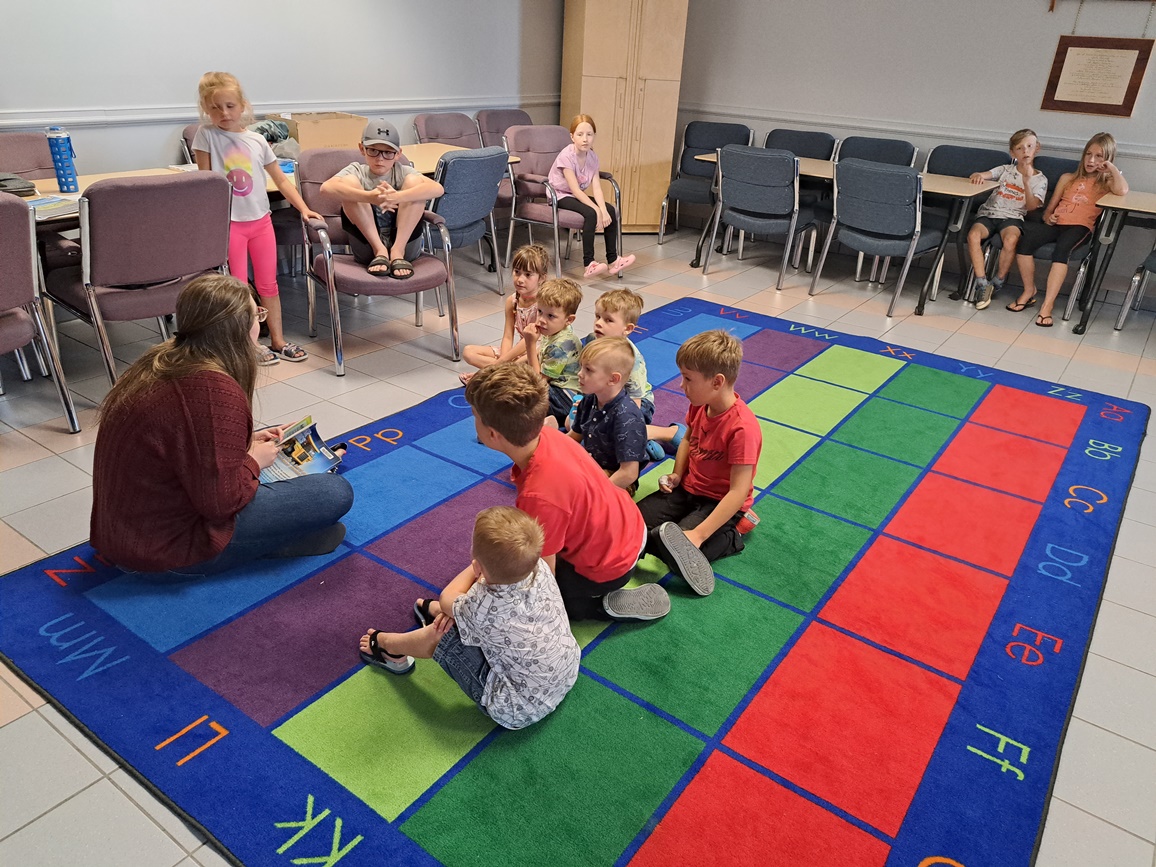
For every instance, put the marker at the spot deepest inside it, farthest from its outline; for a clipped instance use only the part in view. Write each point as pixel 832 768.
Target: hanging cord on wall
pixel 1077 21
pixel 1151 9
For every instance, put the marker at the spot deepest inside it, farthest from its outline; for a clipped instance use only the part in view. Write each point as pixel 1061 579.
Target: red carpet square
pixel 1002 461
pixel 918 603
pixel 731 815
pixel 967 522
pixel 1033 415
pixel 851 724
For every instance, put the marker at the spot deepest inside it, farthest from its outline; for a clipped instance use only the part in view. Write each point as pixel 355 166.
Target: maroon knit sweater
pixel 171 472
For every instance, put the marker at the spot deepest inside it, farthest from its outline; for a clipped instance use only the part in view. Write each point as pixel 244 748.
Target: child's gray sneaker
pixel 691 563
pixel 648 602
pixel 983 290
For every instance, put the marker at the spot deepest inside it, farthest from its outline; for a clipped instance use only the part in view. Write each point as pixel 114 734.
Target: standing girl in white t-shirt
pixel 224 145
pixel 574 176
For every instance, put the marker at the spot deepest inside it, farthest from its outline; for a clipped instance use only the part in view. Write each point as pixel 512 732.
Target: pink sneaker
pixel 621 264
pixel 594 269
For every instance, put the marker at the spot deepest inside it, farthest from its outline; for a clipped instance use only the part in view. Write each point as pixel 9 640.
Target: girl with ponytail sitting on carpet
pixel 176 484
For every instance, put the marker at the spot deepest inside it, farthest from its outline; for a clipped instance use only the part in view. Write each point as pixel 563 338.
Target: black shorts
pixel 363 253
pixel 995 225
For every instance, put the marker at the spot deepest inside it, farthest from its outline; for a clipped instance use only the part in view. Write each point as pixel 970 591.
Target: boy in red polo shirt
pixel 594 533
pixel 692 518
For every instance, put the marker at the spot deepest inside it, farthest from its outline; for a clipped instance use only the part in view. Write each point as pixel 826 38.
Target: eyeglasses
pixel 262 314
pixel 380 153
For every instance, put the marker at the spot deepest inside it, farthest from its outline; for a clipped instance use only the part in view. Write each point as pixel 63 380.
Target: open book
pixel 302 452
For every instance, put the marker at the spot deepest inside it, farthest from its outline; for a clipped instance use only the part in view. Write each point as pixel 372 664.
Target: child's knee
pixel 1010 235
pixel 977 233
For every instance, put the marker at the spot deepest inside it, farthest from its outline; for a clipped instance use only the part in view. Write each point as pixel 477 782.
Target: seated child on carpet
pixel 607 422
pixel 551 346
pixel 531 262
pixel 692 518
pixel 594 533
pixel 499 629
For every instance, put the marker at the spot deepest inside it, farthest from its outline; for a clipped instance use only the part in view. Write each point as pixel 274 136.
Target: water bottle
pixel 60 143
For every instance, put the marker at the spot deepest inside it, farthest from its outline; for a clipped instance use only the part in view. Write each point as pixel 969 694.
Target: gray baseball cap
pixel 380 131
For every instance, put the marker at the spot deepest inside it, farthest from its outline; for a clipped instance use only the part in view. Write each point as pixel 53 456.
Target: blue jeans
pixel 279 515
pixel 465 664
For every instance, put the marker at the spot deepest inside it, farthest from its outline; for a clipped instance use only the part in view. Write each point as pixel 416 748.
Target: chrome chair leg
pixel 822 259
pixel 883 273
pixel 22 364
pixel 858 268
pixel 1074 298
pixel 39 358
pixel 1134 296
pixel 662 219
pixel 742 237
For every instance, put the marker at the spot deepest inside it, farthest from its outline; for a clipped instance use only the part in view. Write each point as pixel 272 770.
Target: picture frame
pixel 1097 75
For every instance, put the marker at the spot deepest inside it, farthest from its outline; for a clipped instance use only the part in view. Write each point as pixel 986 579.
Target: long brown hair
pixel 1108 145
pixel 214 316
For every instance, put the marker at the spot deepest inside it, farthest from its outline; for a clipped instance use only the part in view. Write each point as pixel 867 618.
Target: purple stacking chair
pixel 187 142
pixel 27 154
pixel 493 123
pixel 21 313
pixel 143 240
pixel 341 273
pixel 447 127
pixel 535 201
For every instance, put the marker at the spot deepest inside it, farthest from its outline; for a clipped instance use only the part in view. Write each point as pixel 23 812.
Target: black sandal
pixel 378 657
pixel 421 612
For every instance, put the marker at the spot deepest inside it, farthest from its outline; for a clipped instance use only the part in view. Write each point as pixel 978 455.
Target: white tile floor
pixel 62 801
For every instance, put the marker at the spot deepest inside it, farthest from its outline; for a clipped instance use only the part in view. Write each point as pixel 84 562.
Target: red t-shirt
pixel 589 522
pixel 717 444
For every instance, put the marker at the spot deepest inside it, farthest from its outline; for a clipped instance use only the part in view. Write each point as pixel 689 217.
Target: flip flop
pixel 378 658
pixel 1040 321
pixel 594 269
pixel 266 357
pixel 1016 307
pixel 400 265
pixel 620 264
pixel 421 612
pixel 291 352
pixel 380 262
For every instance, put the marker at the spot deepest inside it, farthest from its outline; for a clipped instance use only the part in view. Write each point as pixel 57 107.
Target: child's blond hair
pixel 712 352
pixel 531 258
pixel 561 292
pixel 507 542
pixel 211 83
pixel 625 301
pixel 511 398
pixel 613 354
pixel 1108 145
pixel 1019 135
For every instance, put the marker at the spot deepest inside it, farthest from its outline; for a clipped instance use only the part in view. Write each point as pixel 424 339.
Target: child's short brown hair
pixel 507 542
pixel 624 301
pixel 511 398
pixel 560 292
pixel 712 352
pixel 531 258
pixel 615 354
pixel 1019 135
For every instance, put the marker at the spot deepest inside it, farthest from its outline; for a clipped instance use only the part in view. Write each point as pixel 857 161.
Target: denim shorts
pixel 465 664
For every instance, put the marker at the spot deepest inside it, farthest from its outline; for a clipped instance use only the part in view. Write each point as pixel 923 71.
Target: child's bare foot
pixel 464 378
pixel 425 611
pixel 373 652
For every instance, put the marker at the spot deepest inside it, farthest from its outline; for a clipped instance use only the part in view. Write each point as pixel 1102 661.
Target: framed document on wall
pixel 1097 75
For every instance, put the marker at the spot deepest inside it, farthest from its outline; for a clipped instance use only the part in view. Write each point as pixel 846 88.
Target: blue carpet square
pixel 683 331
pixel 459 443
pixel 659 356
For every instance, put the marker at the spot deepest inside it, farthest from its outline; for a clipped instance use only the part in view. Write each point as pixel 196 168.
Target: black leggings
pixel 1067 238
pixel 570 203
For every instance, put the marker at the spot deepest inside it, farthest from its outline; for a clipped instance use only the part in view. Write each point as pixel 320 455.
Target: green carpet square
pixel 782 446
pixel 897 431
pixel 573 789
pixel 853 368
pixel 387 738
pixel 794 554
pixel 821 482
pixel 936 390
pixel 700 660
pixel 806 404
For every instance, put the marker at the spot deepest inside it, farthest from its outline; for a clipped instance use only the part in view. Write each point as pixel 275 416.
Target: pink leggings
pixel 254 240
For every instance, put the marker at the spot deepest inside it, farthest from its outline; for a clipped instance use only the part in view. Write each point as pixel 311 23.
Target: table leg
pixel 958 215
pixel 1105 247
pixel 696 262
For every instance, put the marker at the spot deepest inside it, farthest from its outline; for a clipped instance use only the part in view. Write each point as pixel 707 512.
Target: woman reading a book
pixel 176 484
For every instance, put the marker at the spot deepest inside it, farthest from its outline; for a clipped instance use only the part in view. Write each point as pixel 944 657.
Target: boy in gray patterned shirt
pixel 499 629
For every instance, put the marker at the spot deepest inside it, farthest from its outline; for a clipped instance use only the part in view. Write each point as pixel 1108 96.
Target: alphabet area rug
pixel 883 676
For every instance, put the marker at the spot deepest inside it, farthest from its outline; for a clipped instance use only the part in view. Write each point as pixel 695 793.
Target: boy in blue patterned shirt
pixel 607 422
pixel 552 347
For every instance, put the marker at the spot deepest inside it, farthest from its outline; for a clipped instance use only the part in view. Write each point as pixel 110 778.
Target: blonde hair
pixel 214 317
pixel 712 352
pixel 582 118
pixel 508 543
pixel 531 258
pixel 213 82
pixel 625 301
pixel 1108 145
pixel 560 292
pixel 511 398
pixel 1019 135
pixel 614 354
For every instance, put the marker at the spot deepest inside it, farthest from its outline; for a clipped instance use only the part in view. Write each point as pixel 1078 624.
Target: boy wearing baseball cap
pixel 382 201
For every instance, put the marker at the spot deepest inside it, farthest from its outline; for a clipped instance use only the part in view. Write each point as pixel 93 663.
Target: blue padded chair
pixel 878 210
pixel 694 181
pixel 805 143
pixel 1136 289
pixel 759 193
pixel 470 179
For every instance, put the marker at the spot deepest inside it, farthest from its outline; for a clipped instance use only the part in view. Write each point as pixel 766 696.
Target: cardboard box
pixel 324 129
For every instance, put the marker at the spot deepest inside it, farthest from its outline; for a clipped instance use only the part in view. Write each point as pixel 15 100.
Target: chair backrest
pixel 315 167
pixel 758 181
pixel 26 154
pixel 892 151
pixel 878 198
pixel 962 162
pixel 448 127
pixel 1053 168
pixel 17 253
pixel 706 137
pixel 187 141
pixel 138 231
pixel 471 180
pixel 802 143
pixel 536 146
pixel 493 123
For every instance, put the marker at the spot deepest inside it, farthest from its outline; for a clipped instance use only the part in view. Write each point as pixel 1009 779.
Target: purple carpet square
pixel 669 407
pixel 784 351
pixel 754 380
pixel 279 655
pixel 436 546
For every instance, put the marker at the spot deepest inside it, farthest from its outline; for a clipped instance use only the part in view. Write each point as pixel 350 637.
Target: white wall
pixel 123 77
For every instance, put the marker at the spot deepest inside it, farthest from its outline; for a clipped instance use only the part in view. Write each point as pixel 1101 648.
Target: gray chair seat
pixel 875 244
pixel 694 191
pixel 760 224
